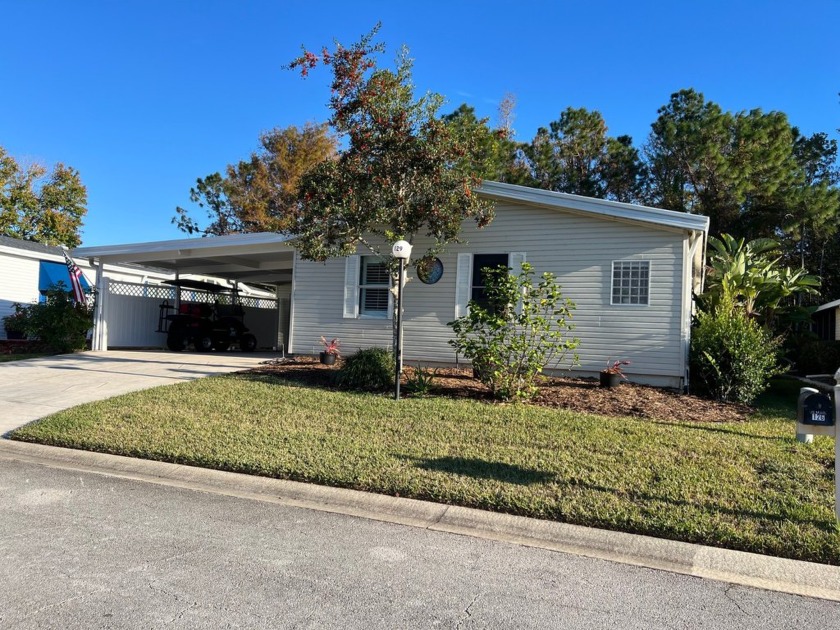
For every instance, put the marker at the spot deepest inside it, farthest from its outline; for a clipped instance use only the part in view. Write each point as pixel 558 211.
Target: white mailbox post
pixel 817 414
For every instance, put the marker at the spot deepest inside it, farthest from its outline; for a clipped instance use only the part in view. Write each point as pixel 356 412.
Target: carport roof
pixel 263 257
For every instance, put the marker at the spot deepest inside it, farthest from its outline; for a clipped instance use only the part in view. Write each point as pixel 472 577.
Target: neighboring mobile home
pixel 30 268
pixel 631 271
pixel 826 321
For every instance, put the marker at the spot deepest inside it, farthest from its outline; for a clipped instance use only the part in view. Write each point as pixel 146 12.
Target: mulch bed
pixel 582 395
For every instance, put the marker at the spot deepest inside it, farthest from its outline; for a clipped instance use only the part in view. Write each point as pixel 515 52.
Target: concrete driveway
pixel 35 388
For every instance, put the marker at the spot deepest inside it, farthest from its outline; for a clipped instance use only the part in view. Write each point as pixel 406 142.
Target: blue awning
pixel 52 273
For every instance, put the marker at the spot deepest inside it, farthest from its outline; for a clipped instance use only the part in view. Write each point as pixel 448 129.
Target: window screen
pixel 631 282
pixel 374 287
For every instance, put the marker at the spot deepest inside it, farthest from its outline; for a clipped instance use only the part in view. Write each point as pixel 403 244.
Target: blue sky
pixel 144 96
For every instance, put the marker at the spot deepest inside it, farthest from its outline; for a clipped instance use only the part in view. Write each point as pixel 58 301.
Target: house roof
pixel 30 246
pixel 267 257
pixel 588 205
pixel 829 305
pixel 262 257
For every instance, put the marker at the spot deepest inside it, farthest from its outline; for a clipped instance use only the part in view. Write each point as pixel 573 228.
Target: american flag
pixel 75 280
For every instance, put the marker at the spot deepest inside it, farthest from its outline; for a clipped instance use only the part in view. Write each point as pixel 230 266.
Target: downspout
pixel 693 266
pixel 291 324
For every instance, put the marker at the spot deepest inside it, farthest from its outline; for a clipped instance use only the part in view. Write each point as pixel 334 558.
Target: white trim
pixel 184 245
pixel 289 340
pixel 614 209
pixel 685 305
pixel 829 305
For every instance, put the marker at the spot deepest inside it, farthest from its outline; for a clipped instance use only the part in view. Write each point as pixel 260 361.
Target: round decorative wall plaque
pixel 429 270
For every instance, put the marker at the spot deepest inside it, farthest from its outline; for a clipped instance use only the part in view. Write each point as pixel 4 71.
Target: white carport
pixel 264 258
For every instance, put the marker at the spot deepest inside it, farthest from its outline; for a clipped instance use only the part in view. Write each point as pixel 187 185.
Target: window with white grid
pixel 631 282
pixel 374 287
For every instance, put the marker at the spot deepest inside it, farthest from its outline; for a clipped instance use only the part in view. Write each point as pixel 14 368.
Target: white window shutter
pixel 351 287
pixel 515 260
pixel 463 283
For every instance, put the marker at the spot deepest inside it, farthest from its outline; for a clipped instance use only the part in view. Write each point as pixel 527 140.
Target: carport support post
pixel 99 340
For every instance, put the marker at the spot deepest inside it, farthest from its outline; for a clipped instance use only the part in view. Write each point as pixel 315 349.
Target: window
pixel 479 280
pixel 631 282
pixel 374 287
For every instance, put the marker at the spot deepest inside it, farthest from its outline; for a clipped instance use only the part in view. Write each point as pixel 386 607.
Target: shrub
pixel 517 333
pixel 59 322
pixel 17 321
pixel 369 370
pixel 732 356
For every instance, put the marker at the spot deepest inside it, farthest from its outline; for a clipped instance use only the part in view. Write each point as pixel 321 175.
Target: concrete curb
pixel 737 567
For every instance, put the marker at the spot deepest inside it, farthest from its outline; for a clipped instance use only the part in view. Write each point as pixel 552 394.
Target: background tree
pixel 752 276
pixel 495 155
pixel 41 205
pixel 260 194
pixel 575 155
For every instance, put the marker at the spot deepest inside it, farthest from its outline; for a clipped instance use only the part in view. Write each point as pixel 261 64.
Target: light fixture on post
pixel 401 250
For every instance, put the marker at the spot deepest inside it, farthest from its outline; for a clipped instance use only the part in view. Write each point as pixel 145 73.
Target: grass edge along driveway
pixel 748 486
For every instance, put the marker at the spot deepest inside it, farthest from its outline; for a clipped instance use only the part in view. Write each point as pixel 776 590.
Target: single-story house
pixel 631 270
pixel 826 321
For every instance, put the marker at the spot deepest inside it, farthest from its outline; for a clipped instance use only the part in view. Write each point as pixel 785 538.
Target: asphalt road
pixel 80 550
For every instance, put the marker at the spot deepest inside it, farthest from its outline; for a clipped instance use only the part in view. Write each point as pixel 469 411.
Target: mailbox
pixel 818 410
pixel 815 415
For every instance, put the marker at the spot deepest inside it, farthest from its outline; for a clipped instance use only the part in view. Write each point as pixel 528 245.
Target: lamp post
pixel 401 250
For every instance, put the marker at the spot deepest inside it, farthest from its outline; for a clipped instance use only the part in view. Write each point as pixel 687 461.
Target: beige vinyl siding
pixel 579 249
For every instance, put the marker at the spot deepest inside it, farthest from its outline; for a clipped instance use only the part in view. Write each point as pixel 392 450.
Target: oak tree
pixel 37 204
pixel 260 194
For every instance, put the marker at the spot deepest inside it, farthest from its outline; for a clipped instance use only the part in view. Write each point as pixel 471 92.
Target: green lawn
pixel 747 486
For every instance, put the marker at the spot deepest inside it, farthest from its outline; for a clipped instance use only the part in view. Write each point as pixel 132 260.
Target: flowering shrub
pixel 520 331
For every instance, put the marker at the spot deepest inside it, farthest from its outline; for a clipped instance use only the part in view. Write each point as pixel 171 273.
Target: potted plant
pixel 15 324
pixel 330 352
pixel 611 375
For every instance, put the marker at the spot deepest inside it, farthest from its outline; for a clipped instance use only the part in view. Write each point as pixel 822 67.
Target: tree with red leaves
pixel 401 173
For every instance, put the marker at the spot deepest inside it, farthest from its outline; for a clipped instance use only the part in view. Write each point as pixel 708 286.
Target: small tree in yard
pixel 520 330
pixel 401 174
